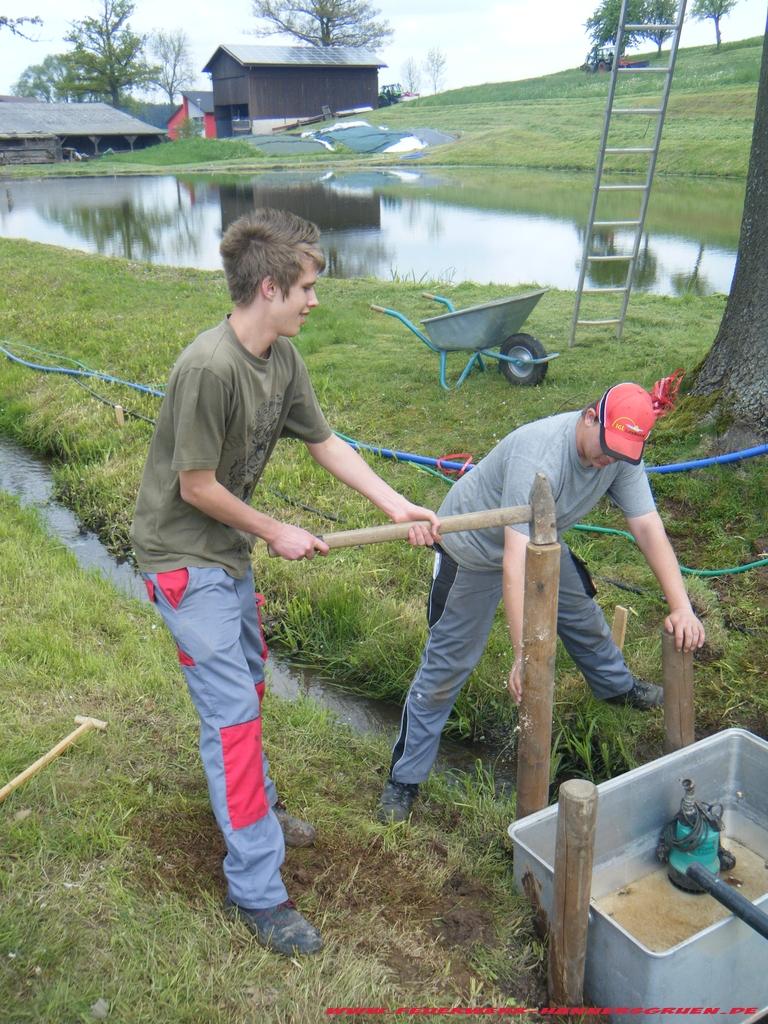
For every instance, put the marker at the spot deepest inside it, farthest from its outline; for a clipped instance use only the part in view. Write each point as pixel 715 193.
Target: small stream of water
pixel 28 478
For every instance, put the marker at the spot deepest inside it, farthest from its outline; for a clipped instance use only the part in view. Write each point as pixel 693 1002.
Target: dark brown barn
pixel 263 83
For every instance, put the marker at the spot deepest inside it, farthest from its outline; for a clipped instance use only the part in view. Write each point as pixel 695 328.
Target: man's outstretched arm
pixel 345 464
pixel 648 530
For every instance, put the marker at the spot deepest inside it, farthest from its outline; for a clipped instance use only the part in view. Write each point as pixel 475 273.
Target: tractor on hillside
pixel 389 94
pixel 599 58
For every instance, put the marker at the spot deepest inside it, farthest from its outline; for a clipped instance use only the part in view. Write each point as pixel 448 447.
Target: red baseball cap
pixel 626 416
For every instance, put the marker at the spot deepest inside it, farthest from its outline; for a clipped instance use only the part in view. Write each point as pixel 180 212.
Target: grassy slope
pixel 555 121
pixel 549 122
pixel 379 384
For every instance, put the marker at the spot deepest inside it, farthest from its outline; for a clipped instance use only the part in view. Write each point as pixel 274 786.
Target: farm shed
pixel 196 107
pixel 285 83
pixel 85 127
pixel 29 148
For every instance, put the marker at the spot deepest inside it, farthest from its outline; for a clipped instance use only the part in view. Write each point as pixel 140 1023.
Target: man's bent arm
pixel 513 588
pixel 201 489
pixel 651 537
pixel 346 465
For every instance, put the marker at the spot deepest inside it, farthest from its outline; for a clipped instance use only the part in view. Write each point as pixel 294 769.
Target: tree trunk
pixel 717 31
pixel 737 363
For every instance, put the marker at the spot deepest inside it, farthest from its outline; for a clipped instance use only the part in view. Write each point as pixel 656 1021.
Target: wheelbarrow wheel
pixel 525 348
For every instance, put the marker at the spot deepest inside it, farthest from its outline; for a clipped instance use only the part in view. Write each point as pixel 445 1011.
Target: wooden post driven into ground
pixel 619 626
pixel 677 670
pixel 542 577
pixel 576 817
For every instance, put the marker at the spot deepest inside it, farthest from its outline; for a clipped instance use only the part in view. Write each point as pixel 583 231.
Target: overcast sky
pixel 482 40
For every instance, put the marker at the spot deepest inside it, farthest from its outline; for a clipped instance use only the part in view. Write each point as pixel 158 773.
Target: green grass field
pixel 551 122
pixel 110 872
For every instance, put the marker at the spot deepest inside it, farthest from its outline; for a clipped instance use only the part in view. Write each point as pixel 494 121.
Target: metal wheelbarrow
pixel 478 329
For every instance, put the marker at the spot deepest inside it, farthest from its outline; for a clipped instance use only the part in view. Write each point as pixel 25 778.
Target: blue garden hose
pixel 428 463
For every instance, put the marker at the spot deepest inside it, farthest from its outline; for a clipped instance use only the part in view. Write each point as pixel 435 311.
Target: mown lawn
pixel 110 875
pixel 110 871
pixel 551 122
pixel 379 384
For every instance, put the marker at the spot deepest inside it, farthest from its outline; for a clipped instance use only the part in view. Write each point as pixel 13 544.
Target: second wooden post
pixel 677 669
pixel 542 578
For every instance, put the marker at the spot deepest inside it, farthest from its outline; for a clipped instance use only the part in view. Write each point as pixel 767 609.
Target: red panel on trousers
pixel 260 688
pixel 150 590
pixel 260 601
pixel 243 773
pixel 185 659
pixel 173 585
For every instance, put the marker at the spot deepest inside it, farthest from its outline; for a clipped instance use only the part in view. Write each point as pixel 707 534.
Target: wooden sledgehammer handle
pixel 85 725
pixel 482 520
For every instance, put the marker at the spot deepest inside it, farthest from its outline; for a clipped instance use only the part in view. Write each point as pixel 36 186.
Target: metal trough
pixel 649 944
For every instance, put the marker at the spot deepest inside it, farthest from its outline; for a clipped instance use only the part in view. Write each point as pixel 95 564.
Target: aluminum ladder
pixel 643 189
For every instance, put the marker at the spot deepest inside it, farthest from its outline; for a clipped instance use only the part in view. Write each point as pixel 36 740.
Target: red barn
pixel 196 107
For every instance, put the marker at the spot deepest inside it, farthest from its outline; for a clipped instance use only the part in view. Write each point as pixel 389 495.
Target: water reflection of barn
pixel 273 83
pixel 329 208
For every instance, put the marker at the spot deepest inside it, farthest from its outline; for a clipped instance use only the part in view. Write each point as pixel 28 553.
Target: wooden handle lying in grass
pixel 483 520
pixel 85 724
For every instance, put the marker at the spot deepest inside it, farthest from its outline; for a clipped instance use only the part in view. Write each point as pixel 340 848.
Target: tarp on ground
pixel 285 144
pixel 364 138
pixel 359 136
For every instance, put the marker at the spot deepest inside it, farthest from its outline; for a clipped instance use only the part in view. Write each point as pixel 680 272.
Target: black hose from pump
pixel 738 905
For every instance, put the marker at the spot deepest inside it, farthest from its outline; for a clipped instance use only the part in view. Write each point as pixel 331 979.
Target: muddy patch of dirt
pixel 186 851
pixel 463 916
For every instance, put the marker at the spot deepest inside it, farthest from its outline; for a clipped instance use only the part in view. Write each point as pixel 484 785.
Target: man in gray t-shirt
pixel 584 455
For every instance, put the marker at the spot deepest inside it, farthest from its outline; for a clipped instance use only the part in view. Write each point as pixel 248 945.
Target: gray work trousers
pixel 460 611
pixel 214 620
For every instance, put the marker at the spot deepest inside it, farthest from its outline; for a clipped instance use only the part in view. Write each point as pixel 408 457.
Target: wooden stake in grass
pixel 542 578
pixel 619 627
pixel 576 817
pixel 85 724
pixel 120 415
pixel 677 670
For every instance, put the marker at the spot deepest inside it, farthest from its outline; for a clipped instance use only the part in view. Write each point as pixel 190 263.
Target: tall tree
pixel 108 58
pixel 703 10
pixel 736 366
pixel 603 24
pixel 15 24
pixel 659 12
pixel 434 67
pixel 324 22
pixel 411 75
pixel 175 70
pixel 49 81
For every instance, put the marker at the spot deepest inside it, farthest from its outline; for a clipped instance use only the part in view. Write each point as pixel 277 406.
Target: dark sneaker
pixel 643 696
pixel 282 928
pixel 396 800
pixel 295 831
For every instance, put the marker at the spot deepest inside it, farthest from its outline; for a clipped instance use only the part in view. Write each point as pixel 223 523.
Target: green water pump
pixel 693 837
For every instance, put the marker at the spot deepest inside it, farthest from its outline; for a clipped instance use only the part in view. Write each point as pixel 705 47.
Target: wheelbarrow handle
pixel 378 309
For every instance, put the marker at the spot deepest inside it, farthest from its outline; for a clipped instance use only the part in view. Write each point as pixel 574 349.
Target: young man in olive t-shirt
pixel 232 394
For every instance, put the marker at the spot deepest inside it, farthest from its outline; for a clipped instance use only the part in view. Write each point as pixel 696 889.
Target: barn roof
pixel 202 100
pixel 70 119
pixel 300 56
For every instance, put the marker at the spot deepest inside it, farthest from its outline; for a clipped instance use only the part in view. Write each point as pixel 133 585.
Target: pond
pixel 485 225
